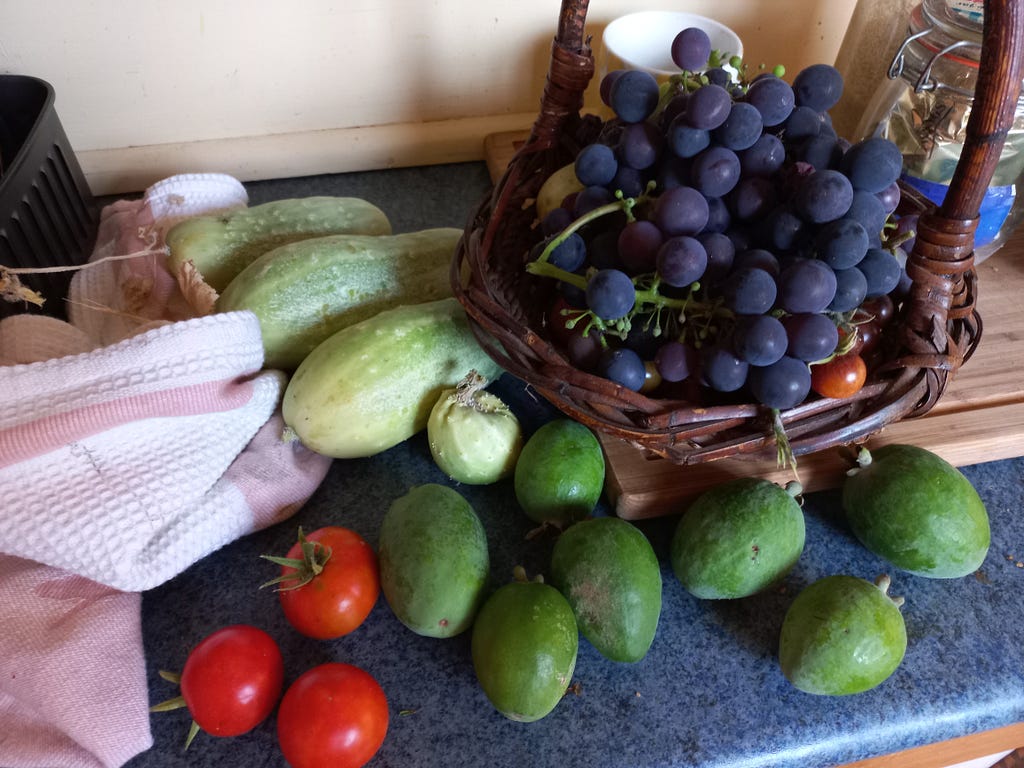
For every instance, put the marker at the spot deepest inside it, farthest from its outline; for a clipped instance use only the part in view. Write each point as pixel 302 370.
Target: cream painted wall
pixel 262 89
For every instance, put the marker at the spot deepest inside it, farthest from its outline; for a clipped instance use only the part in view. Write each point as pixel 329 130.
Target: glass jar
pixel 924 108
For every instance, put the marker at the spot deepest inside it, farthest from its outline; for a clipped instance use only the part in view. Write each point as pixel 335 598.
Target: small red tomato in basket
pixel 842 376
pixel 230 683
pixel 334 714
pixel 329 582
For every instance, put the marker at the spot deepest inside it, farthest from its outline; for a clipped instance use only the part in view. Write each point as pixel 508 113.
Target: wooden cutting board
pixel 979 418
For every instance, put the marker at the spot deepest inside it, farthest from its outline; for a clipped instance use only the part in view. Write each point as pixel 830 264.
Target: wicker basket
pixel 934 333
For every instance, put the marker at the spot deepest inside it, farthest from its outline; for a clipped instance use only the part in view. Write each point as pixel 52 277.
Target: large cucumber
pixel 372 385
pixel 222 246
pixel 305 291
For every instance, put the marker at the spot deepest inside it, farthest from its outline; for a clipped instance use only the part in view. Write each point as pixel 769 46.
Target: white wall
pixel 259 88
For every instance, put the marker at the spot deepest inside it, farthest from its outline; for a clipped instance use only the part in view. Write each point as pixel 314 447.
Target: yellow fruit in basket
pixel 555 188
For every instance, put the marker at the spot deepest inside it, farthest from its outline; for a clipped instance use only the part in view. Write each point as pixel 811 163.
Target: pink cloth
pixel 72 674
pixel 134 440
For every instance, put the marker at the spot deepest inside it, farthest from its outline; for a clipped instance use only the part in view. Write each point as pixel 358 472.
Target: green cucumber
pixel 372 385
pixel 305 291
pixel 221 246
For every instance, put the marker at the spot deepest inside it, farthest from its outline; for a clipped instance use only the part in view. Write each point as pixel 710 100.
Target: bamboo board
pixel 979 418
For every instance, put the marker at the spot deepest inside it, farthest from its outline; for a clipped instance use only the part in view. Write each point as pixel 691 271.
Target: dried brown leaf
pixel 11 289
pixel 199 295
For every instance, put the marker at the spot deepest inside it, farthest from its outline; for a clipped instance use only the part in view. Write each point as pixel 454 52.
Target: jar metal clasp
pixel 896 66
pixel 925 81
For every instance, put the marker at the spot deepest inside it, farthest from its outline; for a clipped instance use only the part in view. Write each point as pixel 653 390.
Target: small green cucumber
pixel 305 291
pixel 372 385
pixel 221 246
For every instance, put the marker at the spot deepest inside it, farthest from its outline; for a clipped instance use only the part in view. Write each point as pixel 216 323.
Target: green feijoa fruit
pixel 560 473
pixel 434 561
pixel 917 511
pixel 842 635
pixel 607 570
pixel 524 649
pixel 737 539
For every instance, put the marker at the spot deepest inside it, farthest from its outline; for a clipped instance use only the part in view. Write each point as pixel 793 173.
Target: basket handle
pixel 569 73
pixel 942 262
pixel 571 18
pixel 996 94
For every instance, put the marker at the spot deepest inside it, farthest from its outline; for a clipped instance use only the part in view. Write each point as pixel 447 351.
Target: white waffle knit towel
pixel 131 430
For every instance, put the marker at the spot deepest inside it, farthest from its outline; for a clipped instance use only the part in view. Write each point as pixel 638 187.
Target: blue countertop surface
pixel 709 694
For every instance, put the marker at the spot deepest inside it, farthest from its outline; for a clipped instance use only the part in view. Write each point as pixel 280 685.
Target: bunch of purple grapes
pixel 724 232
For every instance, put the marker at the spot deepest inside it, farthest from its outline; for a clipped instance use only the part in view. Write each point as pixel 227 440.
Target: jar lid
pixel 949 28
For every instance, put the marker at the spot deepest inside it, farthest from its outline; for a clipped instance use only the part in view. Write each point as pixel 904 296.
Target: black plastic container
pixel 47 213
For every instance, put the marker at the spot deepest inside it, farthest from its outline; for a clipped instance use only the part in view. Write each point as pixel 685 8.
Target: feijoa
pixel 737 539
pixel 918 511
pixel 434 561
pixel 842 635
pixel 524 647
pixel 560 473
pixel 607 570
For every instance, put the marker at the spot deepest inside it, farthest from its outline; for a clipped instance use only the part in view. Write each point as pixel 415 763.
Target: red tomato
pixel 878 308
pixel 232 680
pixel 334 714
pixel 556 321
pixel 869 335
pixel 329 582
pixel 840 377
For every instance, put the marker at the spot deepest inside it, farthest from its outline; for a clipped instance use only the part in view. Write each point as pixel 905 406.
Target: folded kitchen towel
pixel 134 440
pixel 130 451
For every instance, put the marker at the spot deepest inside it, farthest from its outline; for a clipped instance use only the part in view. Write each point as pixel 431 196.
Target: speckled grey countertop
pixel 708 694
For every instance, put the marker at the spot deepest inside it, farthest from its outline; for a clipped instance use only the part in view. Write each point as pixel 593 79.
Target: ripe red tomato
pixel 869 336
pixel 842 376
pixel 556 321
pixel 333 714
pixel 878 308
pixel 329 582
pixel 232 679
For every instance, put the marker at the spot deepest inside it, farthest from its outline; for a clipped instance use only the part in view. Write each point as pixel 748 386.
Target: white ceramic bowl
pixel 643 40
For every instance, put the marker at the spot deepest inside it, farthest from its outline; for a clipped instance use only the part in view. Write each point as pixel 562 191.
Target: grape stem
pixel 845 345
pixel 542 268
pixel 621 203
pixel 899 240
